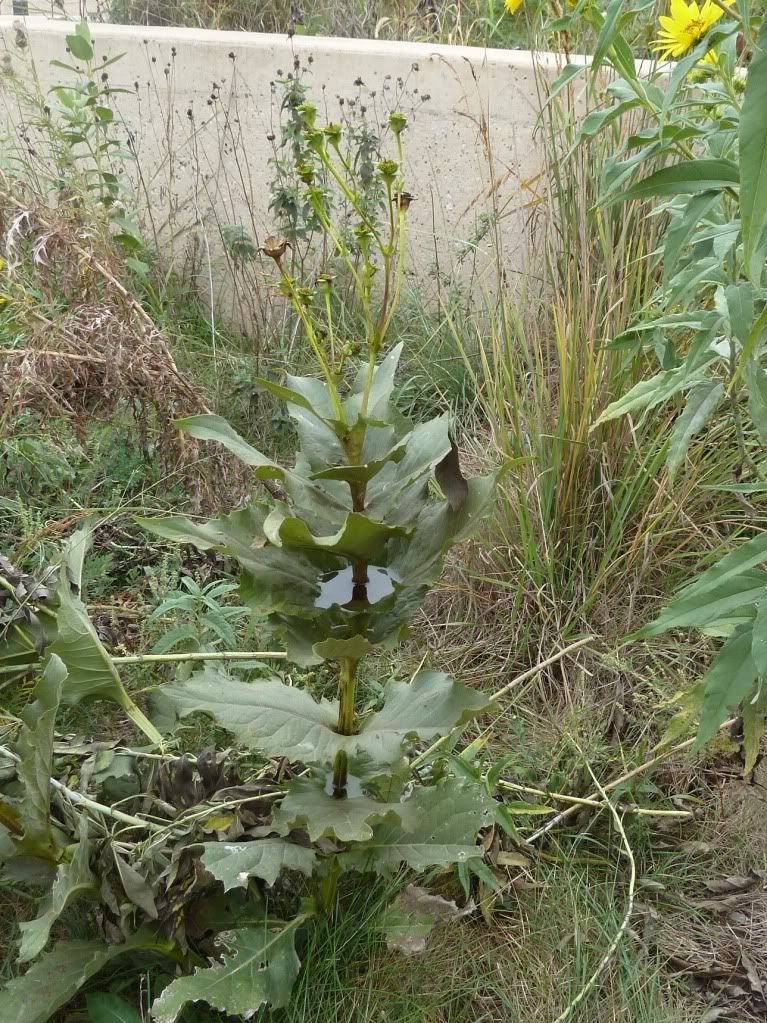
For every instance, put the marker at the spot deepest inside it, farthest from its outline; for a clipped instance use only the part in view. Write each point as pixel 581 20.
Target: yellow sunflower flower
pixel 512 6
pixel 684 26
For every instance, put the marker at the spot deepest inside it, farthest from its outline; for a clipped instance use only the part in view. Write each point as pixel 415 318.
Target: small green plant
pixel 205 620
pixel 703 138
pixel 338 562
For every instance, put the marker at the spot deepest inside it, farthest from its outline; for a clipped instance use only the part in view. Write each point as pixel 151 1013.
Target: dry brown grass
pixel 78 345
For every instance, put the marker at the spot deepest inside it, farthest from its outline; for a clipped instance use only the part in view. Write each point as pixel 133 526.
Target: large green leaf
pixel 756 385
pixel 233 863
pixel 90 670
pixel 259 967
pixel 721 589
pixel 681 230
pixel 418 560
pixel 430 705
pixel 307 805
pixel 73 880
pixel 701 404
pixel 608 31
pixel 233 533
pixel 438 826
pixel 35 747
pixel 106 1007
pixel 739 299
pixel 753 160
pixel 58 976
pixel 647 394
pixel 759 643
pixel 682 179
pixel 283 720
pixel 732 602
pixel 427 444
pixel 380 391
pixel 267 715
pixel 209 427
pixel 360 538
pixel 753 712
pixel 728 681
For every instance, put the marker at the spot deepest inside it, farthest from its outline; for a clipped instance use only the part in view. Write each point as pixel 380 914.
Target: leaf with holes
pixel 233 863
pixel 438 826
pixel 258 967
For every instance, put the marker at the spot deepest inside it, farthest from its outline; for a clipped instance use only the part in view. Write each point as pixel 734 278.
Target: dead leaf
pixel 410 919
pixel 135 887
pixel 734 883
pixel 449 476
pixel 513 859
pixel 753 977
pixel 694 848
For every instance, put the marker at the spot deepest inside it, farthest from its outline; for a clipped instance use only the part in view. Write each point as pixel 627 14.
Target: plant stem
pixel 139 719
pixel 215 655
pixel 347 692
pixel 596 803
pixel 91 804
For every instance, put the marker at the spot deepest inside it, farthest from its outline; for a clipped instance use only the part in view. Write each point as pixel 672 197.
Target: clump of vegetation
pixel 231 821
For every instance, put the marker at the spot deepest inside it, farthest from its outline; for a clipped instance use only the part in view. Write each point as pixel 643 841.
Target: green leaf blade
pixel 728 681
pixel 233 863
pixel 259 967
pixel 753 160
pixel 701 405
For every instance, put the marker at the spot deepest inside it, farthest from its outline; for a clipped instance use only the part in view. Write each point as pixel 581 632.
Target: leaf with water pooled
pixel 307 805
pixel 359 539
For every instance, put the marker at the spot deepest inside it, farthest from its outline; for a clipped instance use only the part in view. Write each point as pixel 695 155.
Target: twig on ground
pixel 596 803
pixel 613 946
pixel 663 755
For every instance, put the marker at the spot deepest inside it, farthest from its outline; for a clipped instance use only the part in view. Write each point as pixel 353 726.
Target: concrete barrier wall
pixel 201 107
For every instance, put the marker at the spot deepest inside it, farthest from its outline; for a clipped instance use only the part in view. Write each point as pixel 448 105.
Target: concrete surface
pixel 200 108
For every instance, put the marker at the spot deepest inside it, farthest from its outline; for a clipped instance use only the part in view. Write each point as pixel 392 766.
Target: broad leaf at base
pixel 438 827
pixel 233 863
pixel 259 967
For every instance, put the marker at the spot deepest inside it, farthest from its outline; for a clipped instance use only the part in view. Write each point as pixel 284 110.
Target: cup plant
pixel 338 561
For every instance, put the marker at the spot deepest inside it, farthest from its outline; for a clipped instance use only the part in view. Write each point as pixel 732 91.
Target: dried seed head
pixel 275 247
pixel 403 200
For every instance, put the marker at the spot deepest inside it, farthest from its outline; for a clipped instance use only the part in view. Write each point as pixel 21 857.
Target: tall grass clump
pixel 589 515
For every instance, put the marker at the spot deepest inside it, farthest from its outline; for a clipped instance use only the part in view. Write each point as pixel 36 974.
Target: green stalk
pixel 203 655
pixel 139 719
pixel 347 692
